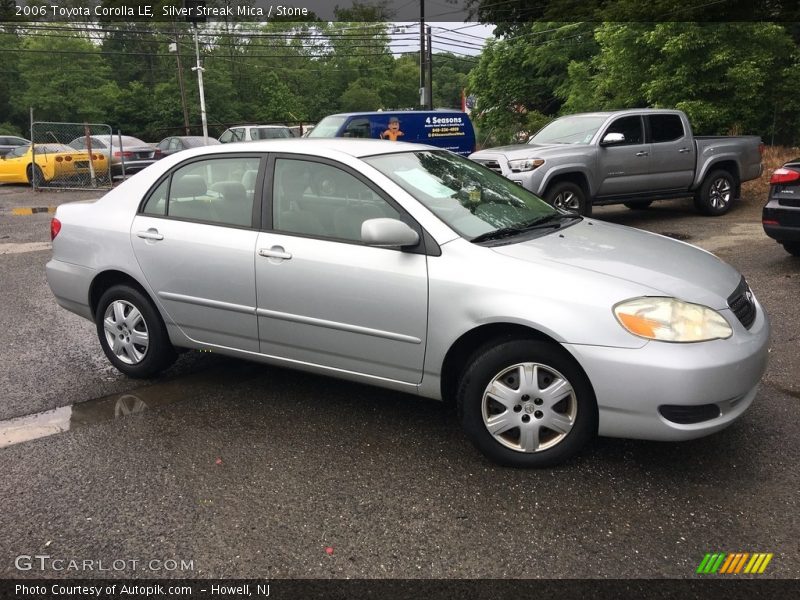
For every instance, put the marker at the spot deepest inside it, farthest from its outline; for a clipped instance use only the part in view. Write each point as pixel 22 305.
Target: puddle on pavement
pixel 117 406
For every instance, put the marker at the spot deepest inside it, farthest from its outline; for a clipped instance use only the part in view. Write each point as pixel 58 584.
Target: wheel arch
pixel 721 164
pixel 464 347
pixel 579 178
pixel 111 277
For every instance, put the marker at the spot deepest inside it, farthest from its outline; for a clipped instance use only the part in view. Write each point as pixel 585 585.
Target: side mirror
pixel 612 138
pixel 388 233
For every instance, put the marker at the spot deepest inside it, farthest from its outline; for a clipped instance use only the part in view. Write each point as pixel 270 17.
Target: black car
pixel 781 215
pixel 10 142
pixel 176 143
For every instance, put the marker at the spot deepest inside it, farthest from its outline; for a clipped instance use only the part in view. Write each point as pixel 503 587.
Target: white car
pixel 412 268
pixel 253 133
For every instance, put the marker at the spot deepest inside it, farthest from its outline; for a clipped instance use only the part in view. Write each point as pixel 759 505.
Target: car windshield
pixel 271 133
pixel 569 130
pixel 328 127
pixel 470 198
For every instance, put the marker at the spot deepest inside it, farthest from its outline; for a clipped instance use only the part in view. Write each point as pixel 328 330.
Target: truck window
pixel 630 127
pixel 665 128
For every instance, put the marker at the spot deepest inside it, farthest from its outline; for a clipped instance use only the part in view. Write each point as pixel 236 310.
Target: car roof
pixel 357 148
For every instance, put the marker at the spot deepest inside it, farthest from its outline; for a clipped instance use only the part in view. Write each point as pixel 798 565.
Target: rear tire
pixel 535 398
pixel 569 196
pixel 35 175
pixel 792 248
pixel 716 195
pixel 132 333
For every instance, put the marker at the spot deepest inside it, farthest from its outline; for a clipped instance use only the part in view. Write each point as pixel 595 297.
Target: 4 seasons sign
pixel 734 563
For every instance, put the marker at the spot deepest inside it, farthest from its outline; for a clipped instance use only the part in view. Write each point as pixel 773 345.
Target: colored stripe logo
pixel 733 563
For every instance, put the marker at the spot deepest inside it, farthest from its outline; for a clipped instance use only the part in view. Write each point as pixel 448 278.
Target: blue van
pixel 448 129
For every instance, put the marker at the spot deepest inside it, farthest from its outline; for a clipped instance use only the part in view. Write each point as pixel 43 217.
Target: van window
pixel 357 128
pixel 328 127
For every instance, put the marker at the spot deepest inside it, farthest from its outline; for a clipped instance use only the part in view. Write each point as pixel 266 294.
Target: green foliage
pixel 9 129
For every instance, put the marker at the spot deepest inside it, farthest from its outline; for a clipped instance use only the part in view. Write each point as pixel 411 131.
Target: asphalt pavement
pixel 242 470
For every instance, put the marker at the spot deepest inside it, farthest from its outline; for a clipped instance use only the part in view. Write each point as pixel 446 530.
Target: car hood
pixel 664 265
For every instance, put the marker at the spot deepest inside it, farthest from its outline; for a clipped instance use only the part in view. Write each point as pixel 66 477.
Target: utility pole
pixel 429 92
pixel 177 46
pixel 199 69
pixel 422 99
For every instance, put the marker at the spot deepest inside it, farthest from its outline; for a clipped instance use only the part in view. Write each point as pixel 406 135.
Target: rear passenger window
pixel 665 128
pixel 156 204
pixel 218 190
pixel 319 200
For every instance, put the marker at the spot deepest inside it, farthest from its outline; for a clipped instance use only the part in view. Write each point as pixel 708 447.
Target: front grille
pixel 491 164
pixel 742 304
pixel 686 415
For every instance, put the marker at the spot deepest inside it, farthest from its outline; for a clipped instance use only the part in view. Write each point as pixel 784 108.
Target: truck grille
pixel 742 304
pixel 491 164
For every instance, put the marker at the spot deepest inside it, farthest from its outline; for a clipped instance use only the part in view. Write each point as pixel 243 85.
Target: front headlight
pixel 525 164
pixel 671 320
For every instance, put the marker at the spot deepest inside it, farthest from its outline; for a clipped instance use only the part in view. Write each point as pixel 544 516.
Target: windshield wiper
pixel 538 223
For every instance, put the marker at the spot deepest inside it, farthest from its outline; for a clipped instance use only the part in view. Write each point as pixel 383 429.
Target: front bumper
pixel 631 384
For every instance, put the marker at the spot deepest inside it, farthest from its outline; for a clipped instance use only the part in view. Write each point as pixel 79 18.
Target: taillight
pixel 67 158
pixel 124 154
pixel 769 222
pixel 783 175
pixel 55 228
pixel 59 158
pixel 158 154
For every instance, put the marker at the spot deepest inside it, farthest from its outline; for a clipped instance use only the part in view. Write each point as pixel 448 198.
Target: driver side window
pixel 630 127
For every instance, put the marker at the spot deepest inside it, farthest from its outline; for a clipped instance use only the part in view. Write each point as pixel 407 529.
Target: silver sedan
pixel 413 269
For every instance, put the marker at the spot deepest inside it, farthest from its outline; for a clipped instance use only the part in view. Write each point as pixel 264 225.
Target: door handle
pixel 150 234
pixel 642 153
pixel 275 252
pixel 684 150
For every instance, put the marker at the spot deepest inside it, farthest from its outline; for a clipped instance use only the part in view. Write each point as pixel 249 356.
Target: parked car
pixel 630 157
pixel 448 129
pixel 48 162
pixel 781 214
pixel 252 133
pixel 415 269
pixel 131 156
pixel 176 143
pixel 10 142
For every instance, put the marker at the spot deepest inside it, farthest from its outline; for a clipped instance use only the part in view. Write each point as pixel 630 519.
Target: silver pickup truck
pixel 631 157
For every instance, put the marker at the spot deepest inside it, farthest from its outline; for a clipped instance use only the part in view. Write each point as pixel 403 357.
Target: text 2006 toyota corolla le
pixel 415 269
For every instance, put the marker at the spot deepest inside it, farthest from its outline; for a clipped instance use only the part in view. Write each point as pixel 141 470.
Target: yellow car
pixel 52 161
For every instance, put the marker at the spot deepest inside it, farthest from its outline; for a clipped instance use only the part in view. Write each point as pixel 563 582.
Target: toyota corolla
pixel 414 269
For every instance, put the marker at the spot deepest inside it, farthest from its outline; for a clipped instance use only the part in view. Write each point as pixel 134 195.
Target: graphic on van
pixel 393 132
pixel 445 126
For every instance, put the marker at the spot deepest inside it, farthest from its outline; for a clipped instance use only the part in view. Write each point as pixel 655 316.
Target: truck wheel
pixel 569 196
pixel 526 403
pixel 792 248
pixel 715 196
pixel 639 205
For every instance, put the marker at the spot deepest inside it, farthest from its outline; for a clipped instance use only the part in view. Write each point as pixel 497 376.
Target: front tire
pixel 526 403
pixel 132 334
pixel 717 193
pixel 569 196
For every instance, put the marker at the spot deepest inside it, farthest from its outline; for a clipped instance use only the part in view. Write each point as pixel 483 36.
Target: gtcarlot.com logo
pixel 734 563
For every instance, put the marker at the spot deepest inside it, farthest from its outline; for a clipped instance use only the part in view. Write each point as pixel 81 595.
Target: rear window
pixel 665 128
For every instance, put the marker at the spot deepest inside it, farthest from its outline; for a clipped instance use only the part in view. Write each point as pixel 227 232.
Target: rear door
pixel 194 239
pixel 624 168
pixel 324 297
pixel 672 160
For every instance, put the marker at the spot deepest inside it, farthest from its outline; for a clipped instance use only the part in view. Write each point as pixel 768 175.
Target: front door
pixel 624 167
pixel 324 297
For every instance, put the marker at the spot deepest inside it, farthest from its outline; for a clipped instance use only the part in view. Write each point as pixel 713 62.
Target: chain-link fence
pixel 71 155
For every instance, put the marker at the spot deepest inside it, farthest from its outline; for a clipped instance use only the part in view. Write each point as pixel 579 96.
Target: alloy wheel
pixel 126 332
